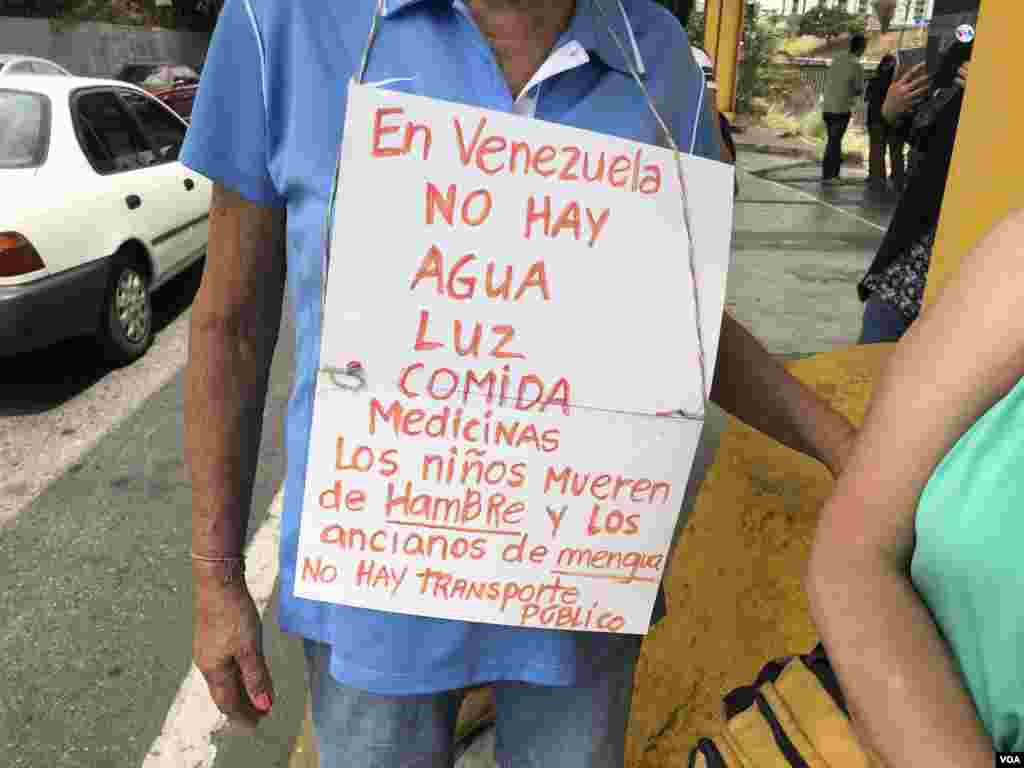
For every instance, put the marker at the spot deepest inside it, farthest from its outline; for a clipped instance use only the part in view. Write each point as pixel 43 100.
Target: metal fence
pixel 815 72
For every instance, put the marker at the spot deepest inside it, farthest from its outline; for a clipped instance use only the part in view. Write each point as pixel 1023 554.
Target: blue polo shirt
pixel 267 122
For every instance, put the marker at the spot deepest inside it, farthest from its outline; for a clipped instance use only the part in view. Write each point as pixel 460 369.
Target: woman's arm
pixel 900 678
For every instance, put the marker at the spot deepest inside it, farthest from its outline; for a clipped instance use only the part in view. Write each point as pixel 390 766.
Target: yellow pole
pixel 723 30
pixel 986 179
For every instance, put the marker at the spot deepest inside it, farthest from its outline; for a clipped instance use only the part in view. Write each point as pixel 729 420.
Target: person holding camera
pixel 894 285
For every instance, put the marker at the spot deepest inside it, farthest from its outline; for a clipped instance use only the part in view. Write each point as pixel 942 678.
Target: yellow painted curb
pixel 735 591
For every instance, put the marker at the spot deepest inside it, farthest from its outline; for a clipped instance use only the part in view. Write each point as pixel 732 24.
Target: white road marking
pixel 818 200
pixel 186 740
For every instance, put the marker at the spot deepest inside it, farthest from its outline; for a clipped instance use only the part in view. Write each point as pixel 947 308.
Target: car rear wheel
pixel 126 331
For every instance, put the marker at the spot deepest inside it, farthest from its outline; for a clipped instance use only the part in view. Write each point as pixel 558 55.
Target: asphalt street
pixel 95 589
pixel 95 595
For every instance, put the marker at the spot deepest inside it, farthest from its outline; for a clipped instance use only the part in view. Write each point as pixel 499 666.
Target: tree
pixel 695 29
pixel 180 14
pixel 133 12
pixel 760 39
pixel 830 23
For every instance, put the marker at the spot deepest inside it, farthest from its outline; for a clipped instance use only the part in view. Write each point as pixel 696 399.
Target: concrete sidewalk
pixel 799 250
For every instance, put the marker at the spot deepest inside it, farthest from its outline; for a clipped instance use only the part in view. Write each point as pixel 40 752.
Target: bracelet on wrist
pixel 233 566
pixel 218 558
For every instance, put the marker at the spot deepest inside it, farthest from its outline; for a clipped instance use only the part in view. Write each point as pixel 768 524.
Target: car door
pixel 190 193
pixel 124 195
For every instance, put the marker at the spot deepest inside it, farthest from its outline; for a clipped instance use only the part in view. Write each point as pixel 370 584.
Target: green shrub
pixel 830 22
pixel 760 39
pixel 812 124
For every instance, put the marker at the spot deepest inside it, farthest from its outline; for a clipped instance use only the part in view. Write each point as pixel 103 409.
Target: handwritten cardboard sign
pixel 517 299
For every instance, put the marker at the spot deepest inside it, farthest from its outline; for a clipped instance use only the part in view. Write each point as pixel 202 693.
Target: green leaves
pixel 186 14
pixel 830 22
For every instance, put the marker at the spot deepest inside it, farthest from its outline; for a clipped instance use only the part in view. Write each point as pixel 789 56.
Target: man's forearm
pixel 758 390
pixel 226 387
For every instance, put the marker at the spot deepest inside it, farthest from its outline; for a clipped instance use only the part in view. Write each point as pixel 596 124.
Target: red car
pixel 179 98
pixel 174 84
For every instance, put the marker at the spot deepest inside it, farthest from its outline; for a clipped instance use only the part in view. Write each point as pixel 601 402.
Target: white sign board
pixel 517 296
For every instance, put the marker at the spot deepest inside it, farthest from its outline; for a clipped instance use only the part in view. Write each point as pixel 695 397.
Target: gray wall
pixel 98 50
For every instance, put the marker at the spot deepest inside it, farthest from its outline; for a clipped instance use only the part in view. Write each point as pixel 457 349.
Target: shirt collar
pixel 589 26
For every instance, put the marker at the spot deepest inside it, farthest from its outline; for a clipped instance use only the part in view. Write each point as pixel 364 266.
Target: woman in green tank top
pixel 916 578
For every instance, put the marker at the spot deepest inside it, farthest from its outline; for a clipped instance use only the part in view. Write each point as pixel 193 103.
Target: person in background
pixel 910 88
pixel 885 139
pixel 845 82
pixel 894 285
pixel 915 577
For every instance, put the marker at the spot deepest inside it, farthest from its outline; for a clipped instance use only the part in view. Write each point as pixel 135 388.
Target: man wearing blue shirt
pixel 266 128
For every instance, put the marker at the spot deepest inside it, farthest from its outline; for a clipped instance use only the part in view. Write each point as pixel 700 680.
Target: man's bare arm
pixel 758 390
pixel 234 328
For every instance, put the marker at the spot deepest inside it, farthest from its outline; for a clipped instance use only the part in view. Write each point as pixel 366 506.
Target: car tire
pixel 126 327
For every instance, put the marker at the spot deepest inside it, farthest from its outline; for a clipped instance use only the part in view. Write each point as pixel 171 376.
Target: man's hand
pixel 905 93
pixel 228 646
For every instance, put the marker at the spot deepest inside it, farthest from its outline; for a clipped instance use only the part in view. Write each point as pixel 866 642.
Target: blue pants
pixel 882 322
pixel 537 726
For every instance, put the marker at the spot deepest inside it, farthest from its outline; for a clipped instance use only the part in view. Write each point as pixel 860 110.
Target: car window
pixel 108 135
pixel 24 129
pixel 21 68
pixel 45 68
pixel 165 132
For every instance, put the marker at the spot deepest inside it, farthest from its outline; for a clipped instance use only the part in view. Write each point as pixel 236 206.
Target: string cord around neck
pixel 685 199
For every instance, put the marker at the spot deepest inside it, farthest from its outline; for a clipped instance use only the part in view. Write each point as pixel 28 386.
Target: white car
pixel 19 64
pixel 96 212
